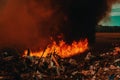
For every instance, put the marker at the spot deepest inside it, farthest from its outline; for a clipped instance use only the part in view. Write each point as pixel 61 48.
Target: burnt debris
pixel 103 66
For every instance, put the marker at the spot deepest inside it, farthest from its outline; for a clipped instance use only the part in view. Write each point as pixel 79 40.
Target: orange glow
pixel 62 49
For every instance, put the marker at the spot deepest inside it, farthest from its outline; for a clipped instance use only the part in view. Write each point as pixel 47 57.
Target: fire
pixel 62 49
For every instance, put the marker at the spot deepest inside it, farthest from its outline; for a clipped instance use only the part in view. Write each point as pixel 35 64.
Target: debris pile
pixel 104 66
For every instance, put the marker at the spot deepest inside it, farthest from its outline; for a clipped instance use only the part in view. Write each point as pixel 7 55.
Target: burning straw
pixel 62 49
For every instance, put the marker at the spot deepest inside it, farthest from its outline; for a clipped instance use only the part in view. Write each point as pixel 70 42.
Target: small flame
pixel 62 49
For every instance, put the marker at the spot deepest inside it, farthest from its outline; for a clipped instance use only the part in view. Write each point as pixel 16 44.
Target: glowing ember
pixel 62 49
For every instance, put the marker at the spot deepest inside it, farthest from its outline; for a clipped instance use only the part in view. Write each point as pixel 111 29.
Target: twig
pixel 41 57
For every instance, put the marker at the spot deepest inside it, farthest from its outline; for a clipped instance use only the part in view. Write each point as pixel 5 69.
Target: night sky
pixel 114 19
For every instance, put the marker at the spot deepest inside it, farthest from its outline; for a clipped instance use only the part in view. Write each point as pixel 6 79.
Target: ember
pixel 62 49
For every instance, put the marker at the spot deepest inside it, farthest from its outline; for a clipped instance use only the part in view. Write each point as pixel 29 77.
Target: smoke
pixel 105 10
pixel 83 16
pixel 27 23
pixel 30 23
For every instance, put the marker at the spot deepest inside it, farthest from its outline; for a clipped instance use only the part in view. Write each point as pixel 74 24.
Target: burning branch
pixel 54 59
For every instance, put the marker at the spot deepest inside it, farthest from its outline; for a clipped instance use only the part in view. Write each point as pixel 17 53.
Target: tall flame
pixel 62 49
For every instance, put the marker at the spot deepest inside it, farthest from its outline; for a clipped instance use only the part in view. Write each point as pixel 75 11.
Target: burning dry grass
pixel 62 49
pixel 103 65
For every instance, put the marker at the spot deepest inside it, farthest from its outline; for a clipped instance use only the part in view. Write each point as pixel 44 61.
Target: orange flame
pixel 62 49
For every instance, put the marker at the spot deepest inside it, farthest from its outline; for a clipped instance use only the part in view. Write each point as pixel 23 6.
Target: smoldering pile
pixel 102 66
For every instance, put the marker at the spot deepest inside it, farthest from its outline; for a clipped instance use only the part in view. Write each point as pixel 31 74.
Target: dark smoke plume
pixel 27 23
pixel 83 16
pixel 30 23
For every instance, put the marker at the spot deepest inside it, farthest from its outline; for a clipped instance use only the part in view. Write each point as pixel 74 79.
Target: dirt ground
pixel 107 37
pixel 105 41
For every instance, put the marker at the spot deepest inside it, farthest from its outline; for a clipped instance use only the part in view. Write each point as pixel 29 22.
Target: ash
pixel 103 66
